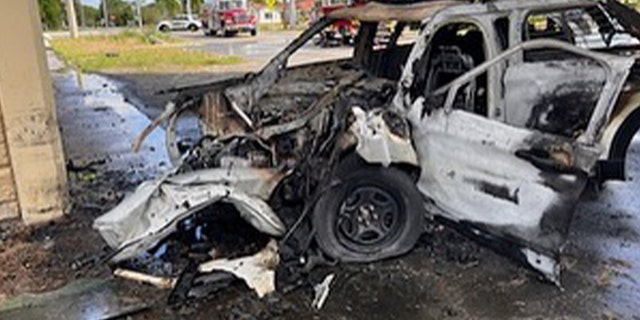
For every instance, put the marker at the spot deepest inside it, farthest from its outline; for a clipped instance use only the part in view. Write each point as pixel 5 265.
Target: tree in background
pixel 152 13
pixel 51 13
pixel 169 7
pixel 195 5
pixel 120 12
pixel 92 15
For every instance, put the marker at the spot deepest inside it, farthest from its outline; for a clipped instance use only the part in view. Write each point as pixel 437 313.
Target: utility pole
pixel 71 19
pixel 105 13
pixel 83 21
pixel 292 14
pixel 189 8
pixel 139 12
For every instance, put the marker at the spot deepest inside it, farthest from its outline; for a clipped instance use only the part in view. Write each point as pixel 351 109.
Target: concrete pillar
pixel 28 114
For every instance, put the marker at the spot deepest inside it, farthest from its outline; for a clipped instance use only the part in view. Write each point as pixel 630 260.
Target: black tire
pixel 334 221
pixel 192 28
pixel 616 168
pixel 164 28
pixel 254 32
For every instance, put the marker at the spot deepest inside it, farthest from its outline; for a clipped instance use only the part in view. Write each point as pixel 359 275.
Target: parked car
pixel 228 18
pixel 179 23
pixel 492 122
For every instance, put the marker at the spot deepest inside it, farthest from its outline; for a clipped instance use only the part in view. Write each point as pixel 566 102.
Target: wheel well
pixel 412 170
pixel 614 167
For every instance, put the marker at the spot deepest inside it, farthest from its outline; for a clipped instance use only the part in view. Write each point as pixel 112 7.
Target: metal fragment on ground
pixel 156 281
pixel 322 291
pixel 258 270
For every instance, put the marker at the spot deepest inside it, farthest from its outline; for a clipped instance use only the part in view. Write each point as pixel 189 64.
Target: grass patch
pixel 132 50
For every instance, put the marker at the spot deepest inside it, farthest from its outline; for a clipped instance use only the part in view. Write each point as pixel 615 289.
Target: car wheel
pixel 192 28
pixel 375 213
pixel 254 32
pixel 164 28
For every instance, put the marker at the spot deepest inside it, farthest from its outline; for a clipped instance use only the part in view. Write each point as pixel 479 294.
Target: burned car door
pixel 508 168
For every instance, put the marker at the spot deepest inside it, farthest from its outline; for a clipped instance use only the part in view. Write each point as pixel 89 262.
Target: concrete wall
pixel 32 171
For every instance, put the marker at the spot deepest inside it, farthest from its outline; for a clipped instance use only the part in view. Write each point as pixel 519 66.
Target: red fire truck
pixel 228 18
pixel 341 32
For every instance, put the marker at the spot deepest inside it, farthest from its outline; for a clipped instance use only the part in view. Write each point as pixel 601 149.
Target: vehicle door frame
pixel 483 23
pixel 604 106
pixel 587 149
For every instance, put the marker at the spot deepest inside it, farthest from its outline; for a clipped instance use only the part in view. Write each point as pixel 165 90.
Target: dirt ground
pixel 445 277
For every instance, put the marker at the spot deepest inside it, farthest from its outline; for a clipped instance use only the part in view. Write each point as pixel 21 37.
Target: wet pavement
pixel 99 125
pixel 445 277
pixel 81 299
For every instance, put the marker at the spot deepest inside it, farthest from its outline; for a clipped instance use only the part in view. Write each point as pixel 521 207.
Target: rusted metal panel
pixel 218 117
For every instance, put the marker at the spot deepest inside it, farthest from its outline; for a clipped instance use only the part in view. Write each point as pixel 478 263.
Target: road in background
pixel 260 49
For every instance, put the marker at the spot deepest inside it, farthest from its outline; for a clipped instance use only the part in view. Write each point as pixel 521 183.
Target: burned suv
pixel 494 120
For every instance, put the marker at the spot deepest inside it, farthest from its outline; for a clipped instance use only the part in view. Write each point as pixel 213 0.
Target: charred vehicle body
pixel 493 121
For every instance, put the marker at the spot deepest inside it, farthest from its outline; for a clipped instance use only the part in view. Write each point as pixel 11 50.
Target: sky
pixel 94 3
